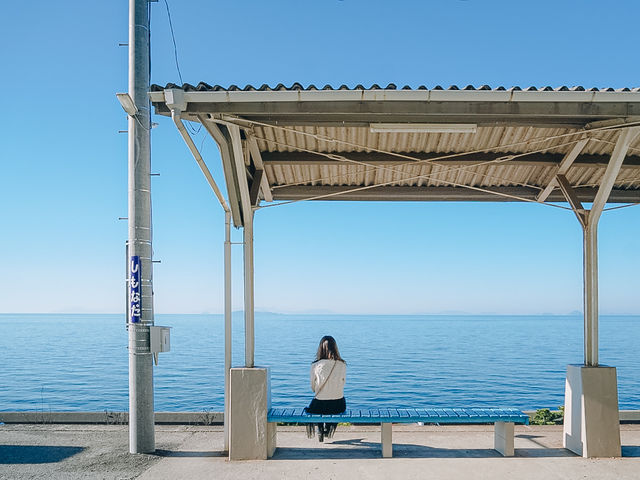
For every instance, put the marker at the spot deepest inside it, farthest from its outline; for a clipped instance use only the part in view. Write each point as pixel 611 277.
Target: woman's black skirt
pixel 327 407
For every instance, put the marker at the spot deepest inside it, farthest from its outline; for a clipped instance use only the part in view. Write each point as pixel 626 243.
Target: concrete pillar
pixel 591 417
pixel 249 401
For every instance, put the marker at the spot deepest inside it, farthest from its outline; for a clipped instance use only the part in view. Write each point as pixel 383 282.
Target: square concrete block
pixel 591 416
pixel 249 401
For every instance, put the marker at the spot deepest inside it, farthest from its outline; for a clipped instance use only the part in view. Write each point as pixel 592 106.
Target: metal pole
pixel 227 322
pixel 141 412
pixel 248 291
pixel 176 115
pixel 590 233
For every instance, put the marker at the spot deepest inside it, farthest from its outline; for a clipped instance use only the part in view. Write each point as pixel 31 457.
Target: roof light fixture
pixel 127 103
pixel 423 127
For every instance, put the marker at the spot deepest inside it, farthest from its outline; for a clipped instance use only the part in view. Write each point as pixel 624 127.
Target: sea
pixel 63 362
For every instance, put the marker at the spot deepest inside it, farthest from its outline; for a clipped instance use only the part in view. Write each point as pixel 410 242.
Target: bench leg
pixel 272 433
pixel 503 438
pixel 387 441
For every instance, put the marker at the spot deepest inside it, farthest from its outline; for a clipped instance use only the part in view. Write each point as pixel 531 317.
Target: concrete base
pixel 249 399
pixel 591 420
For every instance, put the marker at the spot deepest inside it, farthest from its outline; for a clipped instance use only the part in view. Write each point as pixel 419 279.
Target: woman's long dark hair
pixel 328 349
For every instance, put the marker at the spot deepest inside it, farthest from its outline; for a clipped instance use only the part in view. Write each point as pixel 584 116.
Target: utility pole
pixel 140 274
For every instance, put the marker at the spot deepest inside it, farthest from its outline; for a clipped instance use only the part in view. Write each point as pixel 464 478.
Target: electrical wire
pixel 173 37
pixel 430 161
pixel 621 206
pixel 189 126
pixel 417 160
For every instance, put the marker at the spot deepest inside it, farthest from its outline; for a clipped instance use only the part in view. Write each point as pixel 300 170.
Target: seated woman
pixel 328 375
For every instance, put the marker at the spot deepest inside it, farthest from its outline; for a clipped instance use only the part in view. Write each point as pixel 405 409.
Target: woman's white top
pixel 334 388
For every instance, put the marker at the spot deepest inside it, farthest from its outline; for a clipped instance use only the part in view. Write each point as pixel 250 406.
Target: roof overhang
pixel 306 144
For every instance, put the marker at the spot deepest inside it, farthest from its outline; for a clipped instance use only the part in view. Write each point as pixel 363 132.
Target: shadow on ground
pixel 182 453
pixel 23 454
pixel 359 448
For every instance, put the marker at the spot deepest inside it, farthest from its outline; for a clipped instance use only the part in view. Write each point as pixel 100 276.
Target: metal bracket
pixel 571 196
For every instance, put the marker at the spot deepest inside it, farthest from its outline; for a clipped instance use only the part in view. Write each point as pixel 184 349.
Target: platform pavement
pixel 194 452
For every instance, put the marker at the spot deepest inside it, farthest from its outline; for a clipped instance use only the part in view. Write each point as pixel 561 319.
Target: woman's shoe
pixel 330 430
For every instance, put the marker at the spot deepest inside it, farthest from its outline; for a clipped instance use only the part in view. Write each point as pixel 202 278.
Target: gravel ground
pixel 36 451
pixel 76 451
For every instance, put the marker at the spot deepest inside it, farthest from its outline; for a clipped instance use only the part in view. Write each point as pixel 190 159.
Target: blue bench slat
pixel 404 415
pixel 450 413
pixel 421 412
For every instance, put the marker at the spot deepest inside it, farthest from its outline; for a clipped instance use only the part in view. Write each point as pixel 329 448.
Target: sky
pixel 63 184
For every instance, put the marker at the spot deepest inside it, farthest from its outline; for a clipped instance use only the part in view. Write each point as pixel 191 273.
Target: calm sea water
pixel 80 362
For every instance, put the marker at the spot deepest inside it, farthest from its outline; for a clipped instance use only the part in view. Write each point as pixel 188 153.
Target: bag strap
pixel 327 379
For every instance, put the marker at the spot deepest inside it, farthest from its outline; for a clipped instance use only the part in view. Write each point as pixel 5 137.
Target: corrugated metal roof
pixel 205 87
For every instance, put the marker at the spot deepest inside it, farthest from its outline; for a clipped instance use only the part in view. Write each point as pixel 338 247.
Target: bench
pixel 503 418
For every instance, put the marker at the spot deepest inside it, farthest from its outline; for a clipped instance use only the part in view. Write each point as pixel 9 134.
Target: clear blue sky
pixel 63 182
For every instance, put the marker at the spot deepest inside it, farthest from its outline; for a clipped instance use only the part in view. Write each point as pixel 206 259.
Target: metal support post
pixel 227 322
pixel 175 101
pixel 589 221
pixel 590 266
pixel 141 411
pixel 249 336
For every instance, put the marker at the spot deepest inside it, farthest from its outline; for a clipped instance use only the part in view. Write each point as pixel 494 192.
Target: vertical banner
pixel 135 302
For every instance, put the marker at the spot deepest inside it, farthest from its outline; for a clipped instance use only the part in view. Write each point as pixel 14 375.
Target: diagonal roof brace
pixel 591 217
pixel 175 101
pixel 626 138
pixel 237 159
pixel 259 164
pixel 563 168
pixel 223 139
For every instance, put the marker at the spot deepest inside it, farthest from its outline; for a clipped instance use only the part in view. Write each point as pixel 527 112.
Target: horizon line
pixel 269 312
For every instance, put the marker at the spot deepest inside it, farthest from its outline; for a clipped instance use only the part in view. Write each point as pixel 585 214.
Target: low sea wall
pixel 111 418
pixel 171 418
